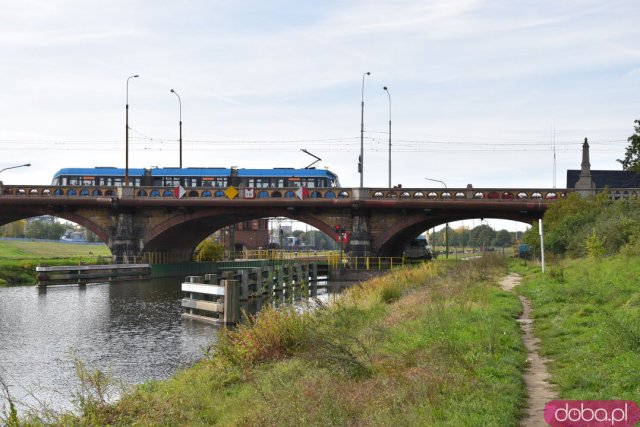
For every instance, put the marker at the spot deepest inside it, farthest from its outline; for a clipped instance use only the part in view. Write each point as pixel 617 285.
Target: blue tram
pixel 198 177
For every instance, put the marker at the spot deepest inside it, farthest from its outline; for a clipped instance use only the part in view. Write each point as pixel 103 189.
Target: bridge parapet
pixel 452 194
pixel 244 193
pixel 170 192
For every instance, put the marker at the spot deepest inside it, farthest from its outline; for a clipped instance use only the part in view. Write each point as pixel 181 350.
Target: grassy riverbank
pixel 434 345
pixel 19 258
pixel 587 315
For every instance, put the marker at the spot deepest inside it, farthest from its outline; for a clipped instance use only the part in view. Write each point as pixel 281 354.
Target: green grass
pixel 587 315
pixel 433 345
pixel 18 259
pixel 22 249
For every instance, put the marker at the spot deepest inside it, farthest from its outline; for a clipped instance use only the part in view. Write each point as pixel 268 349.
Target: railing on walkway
pixel 83 274
pixel 283 254
pixel 367 263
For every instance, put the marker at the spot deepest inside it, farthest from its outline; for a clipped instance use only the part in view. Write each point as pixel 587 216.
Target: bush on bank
pixel 432 345
pixel 589 226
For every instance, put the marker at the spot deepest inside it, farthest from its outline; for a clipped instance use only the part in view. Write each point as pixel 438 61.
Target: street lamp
pixel 446 230
pixel 14 167
pixel 179 102
pixel 361 160
pixel 126 167
pixel 389 95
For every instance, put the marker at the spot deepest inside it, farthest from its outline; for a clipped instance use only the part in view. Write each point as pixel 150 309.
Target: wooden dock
pixel 84 274
pixel 217 300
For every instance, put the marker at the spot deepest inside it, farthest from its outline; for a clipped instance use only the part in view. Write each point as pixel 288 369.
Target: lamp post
pixel 180 103
pixel 14 167
pixel 361 160
pixel 446 230
pixel 389 95
pixel 126 149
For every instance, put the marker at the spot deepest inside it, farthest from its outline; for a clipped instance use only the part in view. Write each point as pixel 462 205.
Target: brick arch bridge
pixel 381 221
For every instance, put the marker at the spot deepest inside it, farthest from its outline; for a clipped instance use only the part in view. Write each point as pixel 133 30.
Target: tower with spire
pixel 585 184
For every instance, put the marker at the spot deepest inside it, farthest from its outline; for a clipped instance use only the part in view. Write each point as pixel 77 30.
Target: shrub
pixel 272 334
pixel 390 293
pixel 595 248
pixel 209 250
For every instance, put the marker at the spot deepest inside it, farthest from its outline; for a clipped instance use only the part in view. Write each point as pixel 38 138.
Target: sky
pixel 480 92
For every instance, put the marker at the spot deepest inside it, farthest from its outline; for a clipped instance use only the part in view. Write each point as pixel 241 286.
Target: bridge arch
pixel 100 231
pixel 182 233
pixel 396 237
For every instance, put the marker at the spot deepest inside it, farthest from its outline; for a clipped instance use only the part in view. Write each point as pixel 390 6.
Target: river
pixel 132 329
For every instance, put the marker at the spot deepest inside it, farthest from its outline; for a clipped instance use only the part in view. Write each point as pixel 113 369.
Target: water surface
pixel 132 329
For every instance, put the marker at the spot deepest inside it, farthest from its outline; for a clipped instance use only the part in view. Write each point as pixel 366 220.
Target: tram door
pixel 233 177
pixel 148 180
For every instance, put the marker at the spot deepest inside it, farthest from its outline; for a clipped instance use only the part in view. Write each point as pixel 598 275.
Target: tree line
pixel 44 228
pixel 481 236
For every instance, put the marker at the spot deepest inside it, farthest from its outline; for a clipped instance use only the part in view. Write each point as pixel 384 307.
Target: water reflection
pixel 133 329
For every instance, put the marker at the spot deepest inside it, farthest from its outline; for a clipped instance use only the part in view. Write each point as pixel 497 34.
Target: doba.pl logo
pixel 591 413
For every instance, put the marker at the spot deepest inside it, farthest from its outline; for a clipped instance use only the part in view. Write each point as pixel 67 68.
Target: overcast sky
pixel 479 89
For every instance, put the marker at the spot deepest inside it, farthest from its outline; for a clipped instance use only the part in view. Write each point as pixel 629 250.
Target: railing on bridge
pixel 244 193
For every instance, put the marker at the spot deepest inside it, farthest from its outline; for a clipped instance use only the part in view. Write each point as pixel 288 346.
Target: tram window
pixel 280 183
pixel 250 182
pixel 170 181
pixel 221 182
pixel 262 182
pixel 87 181
pixel 63 180
pixel 73 180
pixel 117 181
pixel 194 182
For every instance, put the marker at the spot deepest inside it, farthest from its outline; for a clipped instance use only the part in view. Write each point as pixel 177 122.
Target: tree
pixel 481 236
pixel 44 229
pixel 631 161
pixel 502 239
pixel 13 229
pixel 209 250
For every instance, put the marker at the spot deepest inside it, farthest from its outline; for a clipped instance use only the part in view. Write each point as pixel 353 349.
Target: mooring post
pixel 278 282
pixel 305 279
pixel 231 301
pixel 244 278
pixel 300 279
pixel 259 281
pixel 41 276
pixel 314 279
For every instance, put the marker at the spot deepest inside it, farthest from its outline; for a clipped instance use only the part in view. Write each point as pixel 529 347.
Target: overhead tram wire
pixel 444 144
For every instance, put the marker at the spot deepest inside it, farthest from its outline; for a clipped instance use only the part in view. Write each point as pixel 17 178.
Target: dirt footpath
pixel 536 377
